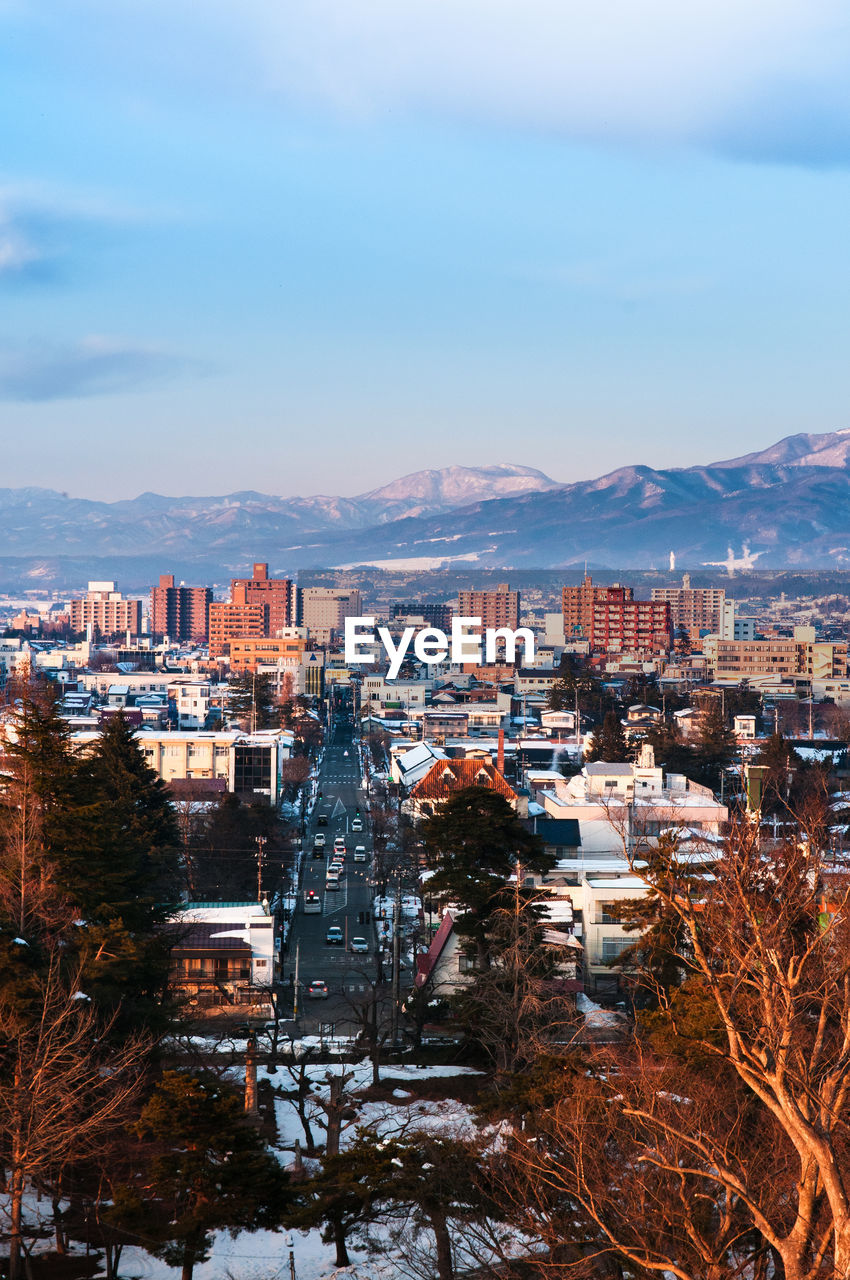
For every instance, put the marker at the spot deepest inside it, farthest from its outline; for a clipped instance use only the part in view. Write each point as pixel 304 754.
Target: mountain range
pixel 786 506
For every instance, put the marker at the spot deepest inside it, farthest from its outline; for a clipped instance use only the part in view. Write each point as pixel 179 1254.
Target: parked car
pixel 360 853
pixel 334 936
pixel 317 990
pixel 359 945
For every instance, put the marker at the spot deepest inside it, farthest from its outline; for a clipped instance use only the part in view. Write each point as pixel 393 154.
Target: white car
pixel 360 853
pixel 359 944
pixel 331 880
pixel 356 824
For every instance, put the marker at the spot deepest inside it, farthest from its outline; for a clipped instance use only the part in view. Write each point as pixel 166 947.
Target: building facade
pixel 620 623
pixel 693 609
pixel 181 613
pixel 229 620
pixel 279 595
pixel 104 611
pixel 499 608
pixel 577 604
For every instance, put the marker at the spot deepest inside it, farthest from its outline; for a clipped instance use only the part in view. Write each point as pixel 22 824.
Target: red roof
pixel 447 776
pixel 426 963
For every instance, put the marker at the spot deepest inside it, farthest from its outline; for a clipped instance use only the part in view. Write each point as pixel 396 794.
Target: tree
pixel 251 702
pixel 670 749
pixel 610 745
pixel 715 747
pixel 729 1155
pixel 125 879
pixel 208 1170
pixel 473 844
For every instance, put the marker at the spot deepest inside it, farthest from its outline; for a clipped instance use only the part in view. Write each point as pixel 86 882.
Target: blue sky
pixel 310 247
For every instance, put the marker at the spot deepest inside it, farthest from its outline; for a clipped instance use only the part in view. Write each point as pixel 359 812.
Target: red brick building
pixel 627 625
pixel 278 595
pixel 181 613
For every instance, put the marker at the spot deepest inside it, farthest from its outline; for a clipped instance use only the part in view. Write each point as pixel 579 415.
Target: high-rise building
pixel 181 613
pixel 694 609
pixel 229 621
pixel 577 604
pixel 631 626
pixel 324 609
pixel 499 608
pixel 106 612
pixel 279 595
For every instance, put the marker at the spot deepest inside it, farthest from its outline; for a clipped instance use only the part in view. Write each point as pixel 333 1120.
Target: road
pixel 348 976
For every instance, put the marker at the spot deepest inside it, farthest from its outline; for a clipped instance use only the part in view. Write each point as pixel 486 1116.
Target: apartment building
pixel 324 610
pixel 279 595
pixel 796 657
pixel 181 613
pixel 693 609
pixel 626 625
pixel 499 608
pixel 229 620
pixel 577 604
pixel 105 612
pixel 247 653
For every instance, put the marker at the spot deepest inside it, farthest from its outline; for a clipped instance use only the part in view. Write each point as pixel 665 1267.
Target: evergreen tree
pixel 209 1170
pixel 251 702
pixel 715 747
pixel 610 744
pixel 670 749
pixel 125 880
pixel 474 843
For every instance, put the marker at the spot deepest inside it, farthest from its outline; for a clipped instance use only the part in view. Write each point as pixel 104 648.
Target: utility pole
pixel 261 844
pixel 295 984
pixel 396 960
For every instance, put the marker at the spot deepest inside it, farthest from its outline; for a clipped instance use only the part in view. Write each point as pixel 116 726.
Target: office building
pixel 577 604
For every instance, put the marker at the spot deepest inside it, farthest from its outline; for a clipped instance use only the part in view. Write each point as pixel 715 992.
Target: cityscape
pixel 424 629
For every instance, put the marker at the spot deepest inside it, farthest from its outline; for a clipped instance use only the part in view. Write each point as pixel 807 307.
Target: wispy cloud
pixel 758 77
pixel 95 366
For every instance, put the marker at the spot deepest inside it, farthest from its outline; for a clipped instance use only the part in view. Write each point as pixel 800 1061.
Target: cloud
pixel 96 366
pixel 759 77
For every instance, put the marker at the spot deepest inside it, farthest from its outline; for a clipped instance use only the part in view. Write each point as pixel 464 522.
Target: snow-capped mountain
pixel 785 506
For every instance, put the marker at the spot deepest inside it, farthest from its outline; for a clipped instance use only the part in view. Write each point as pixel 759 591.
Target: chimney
pixel 500 753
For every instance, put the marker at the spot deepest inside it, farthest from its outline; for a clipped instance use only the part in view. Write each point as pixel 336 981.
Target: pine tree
pixel 209 1170
pixel 251 702
pixel 474 844
pixel 715 747
pixel 125 879
pixel 610 744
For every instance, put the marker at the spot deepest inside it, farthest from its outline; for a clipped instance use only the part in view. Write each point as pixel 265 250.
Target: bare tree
pixel 64 1084
pixel 720 1146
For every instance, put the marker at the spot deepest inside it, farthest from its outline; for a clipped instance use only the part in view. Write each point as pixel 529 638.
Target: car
pixel 356 824
pixel 336 869
pixel 331 880
pixel 317 852
pixel 322 820
pixel 359 944
pixel 360 853
pixel 317 990
pixel 334 936
pixel 339 844
pixel 319 841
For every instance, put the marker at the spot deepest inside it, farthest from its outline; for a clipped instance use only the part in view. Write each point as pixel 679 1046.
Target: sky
pixel 307 247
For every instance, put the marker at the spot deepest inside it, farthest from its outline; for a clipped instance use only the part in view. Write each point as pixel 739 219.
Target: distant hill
pixel 786 506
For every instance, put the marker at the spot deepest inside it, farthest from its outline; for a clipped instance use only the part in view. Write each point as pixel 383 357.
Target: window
pixel 614 947
pixel 610 912
pixel 466 964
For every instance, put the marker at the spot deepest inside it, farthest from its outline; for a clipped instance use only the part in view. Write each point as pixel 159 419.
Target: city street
pixel 348 976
